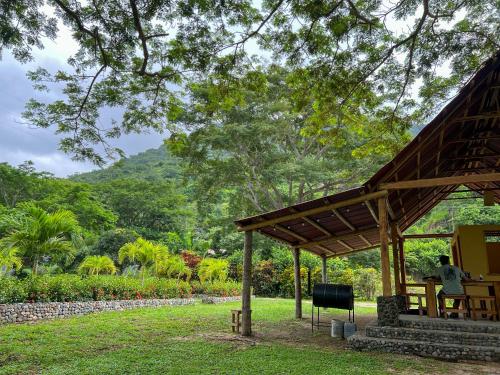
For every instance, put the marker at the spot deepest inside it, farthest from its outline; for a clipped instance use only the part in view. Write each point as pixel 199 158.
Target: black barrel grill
pixel 336 296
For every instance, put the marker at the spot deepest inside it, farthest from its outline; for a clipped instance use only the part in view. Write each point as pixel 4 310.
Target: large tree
pixel 137 54
pixel 269 144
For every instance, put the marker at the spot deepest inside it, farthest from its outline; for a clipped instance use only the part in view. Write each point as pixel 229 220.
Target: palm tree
pixel 213 269
pixel 175 266
pixel 9 260
pixel 147 254
pixel 43 234
pixel 96 264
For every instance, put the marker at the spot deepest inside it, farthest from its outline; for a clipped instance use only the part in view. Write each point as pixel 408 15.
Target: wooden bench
pixel 418 303
pixel 235 320
pixel 486 306
pixel 462 306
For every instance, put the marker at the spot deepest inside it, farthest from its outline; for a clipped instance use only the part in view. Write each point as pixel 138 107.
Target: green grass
pixel 192 340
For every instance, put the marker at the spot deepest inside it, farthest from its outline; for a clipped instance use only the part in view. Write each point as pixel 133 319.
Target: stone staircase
pixel 438 338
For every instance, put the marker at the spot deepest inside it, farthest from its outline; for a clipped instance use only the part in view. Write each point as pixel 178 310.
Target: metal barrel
pixel 338 296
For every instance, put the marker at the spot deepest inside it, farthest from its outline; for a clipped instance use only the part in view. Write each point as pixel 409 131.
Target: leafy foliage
pixel 148 255
pixel 9 260
pixel 211 269
pixel 138 56
pixel 95 265
pixel 269 143
pixel 174 266
pixel 66 287
pixel 41 234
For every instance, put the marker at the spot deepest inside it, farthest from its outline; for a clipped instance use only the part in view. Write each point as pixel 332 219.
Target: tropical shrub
pixel 97 264
pixel 287 282
pixel 365 282
pixel 213 269
pixel 56 288
pixel 41 234
pixel 217 288
pixel 147 254
pixel 12 290
pixel 174 266
pixel 9 260
pixel 119 287
pixel 264 279
pixel 68 288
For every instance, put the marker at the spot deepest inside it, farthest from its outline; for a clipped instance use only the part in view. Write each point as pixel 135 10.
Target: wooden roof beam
pixel 441 181
pixel 314 224
pixel 343 220
pixel 336 238
pixel 347 246
pixel 365 240
pixel 353 251
pixel 428 235
pixel 313 211
pixel 372 211
pixel 290 233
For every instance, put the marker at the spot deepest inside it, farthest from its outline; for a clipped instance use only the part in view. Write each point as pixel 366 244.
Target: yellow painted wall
pixel 473 250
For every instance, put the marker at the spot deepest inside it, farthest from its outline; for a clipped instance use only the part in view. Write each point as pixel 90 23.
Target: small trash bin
pixel 349 329
pixel 337 328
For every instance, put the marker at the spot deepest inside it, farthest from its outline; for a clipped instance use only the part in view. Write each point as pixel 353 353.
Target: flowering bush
pixel 70 288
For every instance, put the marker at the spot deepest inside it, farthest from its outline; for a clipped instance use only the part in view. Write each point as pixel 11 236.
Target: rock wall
pixel 29 312
pixel 388 310
pixel 212 299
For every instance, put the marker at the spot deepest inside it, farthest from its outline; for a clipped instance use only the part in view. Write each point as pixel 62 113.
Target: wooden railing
pixel 429 286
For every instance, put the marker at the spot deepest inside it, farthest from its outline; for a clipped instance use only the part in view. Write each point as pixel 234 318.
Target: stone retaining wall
pixel 211 299
pixel 440 336
pixel 29 312
pixel 388 310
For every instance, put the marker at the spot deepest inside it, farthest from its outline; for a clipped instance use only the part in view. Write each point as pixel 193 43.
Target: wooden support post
pixel 298 287
pixel 246 312
pixel 402 265
pixel 395 258
pixel 431 299
pixel 384 247
pixel 496 291
pixel 324 269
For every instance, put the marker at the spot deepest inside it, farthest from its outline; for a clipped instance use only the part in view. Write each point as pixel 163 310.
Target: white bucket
pixel 337 328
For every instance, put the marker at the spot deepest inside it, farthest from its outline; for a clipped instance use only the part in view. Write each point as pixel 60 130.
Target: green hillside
pixel 153 164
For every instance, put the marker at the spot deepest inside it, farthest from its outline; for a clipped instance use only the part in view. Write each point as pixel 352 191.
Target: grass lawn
pixel 197 340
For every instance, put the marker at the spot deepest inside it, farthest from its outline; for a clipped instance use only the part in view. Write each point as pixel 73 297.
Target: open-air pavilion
pixel 459 150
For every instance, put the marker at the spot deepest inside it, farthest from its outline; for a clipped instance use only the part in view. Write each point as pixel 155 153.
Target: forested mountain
pixel 153 164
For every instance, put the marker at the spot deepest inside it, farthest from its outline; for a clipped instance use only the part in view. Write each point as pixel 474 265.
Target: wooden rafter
pixel 313 211
pixel 365 240
pixel 343 220
pixel 337 237
pixel 372 211
pixel 347 246
pixel 428 235
pixel 441 181
pixel 290 233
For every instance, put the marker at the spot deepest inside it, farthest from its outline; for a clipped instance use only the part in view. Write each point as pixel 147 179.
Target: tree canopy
pixel 138 56
pixel 271 141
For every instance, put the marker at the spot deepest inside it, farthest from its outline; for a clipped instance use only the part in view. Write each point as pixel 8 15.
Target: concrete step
pixel 434 336
pixel 426 323
pixel 425 349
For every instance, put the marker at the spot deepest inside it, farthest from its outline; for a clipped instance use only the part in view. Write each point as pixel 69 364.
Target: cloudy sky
pixel 19 141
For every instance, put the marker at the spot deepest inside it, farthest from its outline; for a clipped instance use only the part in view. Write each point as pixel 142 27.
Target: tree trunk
pixel 246 312
pixel 298 287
